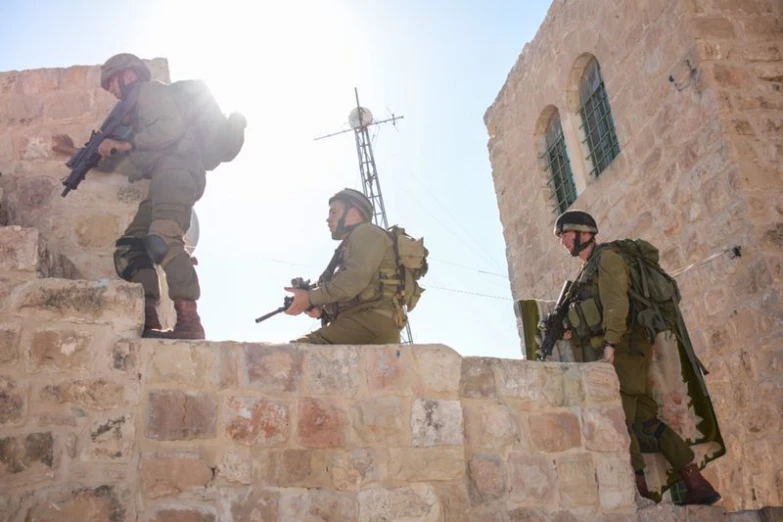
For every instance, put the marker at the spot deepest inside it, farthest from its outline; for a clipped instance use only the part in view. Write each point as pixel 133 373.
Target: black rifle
pixel 552 326
pixel 297 282
pixel 113 127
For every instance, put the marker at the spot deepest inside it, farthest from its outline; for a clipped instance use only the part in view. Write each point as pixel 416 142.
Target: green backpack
pixel 411 264
pixel 219 138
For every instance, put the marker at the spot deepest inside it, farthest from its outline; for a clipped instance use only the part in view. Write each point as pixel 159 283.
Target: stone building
pixel 663 119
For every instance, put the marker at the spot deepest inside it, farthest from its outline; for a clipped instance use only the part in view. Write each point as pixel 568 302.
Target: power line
pixel 427 287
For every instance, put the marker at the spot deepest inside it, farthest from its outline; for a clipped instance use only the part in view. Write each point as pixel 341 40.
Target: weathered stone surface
pixel 382 421
pixel 576 480
pixel 478 377
pixel 604 429
pixel 563 386
pixel 416 503
pixel 436 422
pixel 351 470
pixel 454 502
pixel 9 344
pixel 273 369
pixel 18 249
pixel 184 514
pixel 334 370
pixel 111 439
pixel 95 394
pixel 616 485
pixel 100 504
pixel 13 401
pixel 553 432
pixel 293 468
pixel 169 474
pixel 532 478
pixel 182 363
pixel 31 454
pixel 487 478
pixel 60 349
pixel 521 380
pixel 490 425
pixel 318 506
pixel 125 356
pixel 439 370
pixel 177 415
pixel 600 383
pixel 389 370
pixel 408 465
pixel 256 422
pixel 236 466
pixel 321 424
pixel 249 505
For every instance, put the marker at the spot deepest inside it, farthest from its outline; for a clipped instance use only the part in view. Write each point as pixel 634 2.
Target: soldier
pixel 604 314
pixel 357 295
pixel 163 151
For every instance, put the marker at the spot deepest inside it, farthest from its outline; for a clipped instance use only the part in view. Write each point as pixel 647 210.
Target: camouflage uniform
pixel 357 292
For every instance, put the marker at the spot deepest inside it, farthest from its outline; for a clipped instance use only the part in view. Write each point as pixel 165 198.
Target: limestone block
pixel 20 110
pixel 235 465
pixel 170 474
pixel 18 250
pixel 489 425
pixel 97 230
pixel 125 356
pixel 111 439
pixel 600 383
pixel 604 429
pixel 317 505
pixel 554 432
pixel 408 465
pixel 184 513
pixel 576 480
pixel 249 505
pixel 478 377
pixel 182 363
pixel 305 468
pixel 487 478
pixel 272 368
pixel 532 478
pixel 389 369
pixel 179 415
pixel 60 350
pixel 93 394
pixel 65 105
pixel 9 343
pixel 26 458
pixel 439 369
pixel 436 422
pixel 322 424
pixel 616 485
pixel 454 502
pixel 256 422
pixel 522 380
pixel 415 503
pixel 381 421
pixel 81 504
pixel 333 371
pixel 13 401
pixel 352 470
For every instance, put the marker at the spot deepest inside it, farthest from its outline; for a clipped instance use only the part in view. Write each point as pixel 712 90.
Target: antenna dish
pixel 355 122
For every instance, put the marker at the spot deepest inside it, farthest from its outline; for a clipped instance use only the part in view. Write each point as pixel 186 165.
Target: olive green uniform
pixel 601 314
pixel 358 292
pixel 165 153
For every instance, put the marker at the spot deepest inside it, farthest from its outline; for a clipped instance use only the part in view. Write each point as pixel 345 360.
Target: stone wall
pixel 696 93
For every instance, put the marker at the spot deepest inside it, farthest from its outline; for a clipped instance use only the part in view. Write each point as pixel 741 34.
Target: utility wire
pixel 427 287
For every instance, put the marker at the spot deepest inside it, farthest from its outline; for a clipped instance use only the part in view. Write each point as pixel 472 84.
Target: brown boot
pixel 699 490
pixel 641 485
pixel 151 321
pixel 188 323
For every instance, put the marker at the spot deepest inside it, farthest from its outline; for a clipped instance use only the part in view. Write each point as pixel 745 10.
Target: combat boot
pixel 151 321
pixel 699 490
pixel 641 485
pixel 188 324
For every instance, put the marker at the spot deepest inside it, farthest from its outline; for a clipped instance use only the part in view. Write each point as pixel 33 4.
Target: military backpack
pixel 411 264
pixel 220 138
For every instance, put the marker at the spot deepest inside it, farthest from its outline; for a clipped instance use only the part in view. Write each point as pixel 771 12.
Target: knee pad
pixel 130 256
pixel 649 434
pixel 156 248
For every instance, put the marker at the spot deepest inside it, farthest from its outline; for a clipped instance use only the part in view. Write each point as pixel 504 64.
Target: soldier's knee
pixel 649 433
pixel 130 256
pixel 156 248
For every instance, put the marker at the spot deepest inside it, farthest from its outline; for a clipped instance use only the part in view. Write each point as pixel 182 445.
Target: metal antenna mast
pixel 360 119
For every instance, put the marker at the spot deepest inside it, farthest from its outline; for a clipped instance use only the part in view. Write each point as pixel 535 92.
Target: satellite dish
pixel 191 236
pixel 356 122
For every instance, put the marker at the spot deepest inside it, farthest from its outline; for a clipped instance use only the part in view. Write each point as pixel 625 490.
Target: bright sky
pixel 291 68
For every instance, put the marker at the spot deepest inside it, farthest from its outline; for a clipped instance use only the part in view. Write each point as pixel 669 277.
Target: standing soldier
pixel 602 320
pixel 164 151
pixel 357 296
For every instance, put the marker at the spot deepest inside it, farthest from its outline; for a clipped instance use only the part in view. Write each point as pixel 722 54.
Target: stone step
pixel 671 513
pixel 24 255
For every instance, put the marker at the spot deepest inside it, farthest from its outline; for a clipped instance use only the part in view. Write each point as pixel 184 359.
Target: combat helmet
pixel 122 62
pixel 576 220
pixel 355 199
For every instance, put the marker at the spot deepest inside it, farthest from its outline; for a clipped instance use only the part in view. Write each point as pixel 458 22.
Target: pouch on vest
pixel 412 264
pixel 218 137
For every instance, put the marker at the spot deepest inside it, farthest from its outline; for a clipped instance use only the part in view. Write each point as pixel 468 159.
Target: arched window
pixel 600 136
pixel 561 179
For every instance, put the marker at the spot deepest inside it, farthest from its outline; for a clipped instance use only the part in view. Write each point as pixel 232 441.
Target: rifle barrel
pixel 270 314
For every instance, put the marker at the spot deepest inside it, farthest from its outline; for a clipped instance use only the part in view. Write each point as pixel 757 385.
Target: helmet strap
pixel 579 246
pixel 125 88
pixel 341 231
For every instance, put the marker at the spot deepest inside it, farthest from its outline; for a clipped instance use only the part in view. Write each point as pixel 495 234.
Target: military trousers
pixel 166 213
pixel 361 327
pixel 647 432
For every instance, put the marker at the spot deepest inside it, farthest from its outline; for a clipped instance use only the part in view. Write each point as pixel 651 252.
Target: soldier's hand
pixel 608 354
pixel 108 146
pixel 567 334
pixel 63 144
pixel 315 312
pixel 301 301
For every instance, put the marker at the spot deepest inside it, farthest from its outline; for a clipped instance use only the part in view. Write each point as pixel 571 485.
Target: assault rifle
pixel 552 326
pixel 296 282
pixel 113 127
